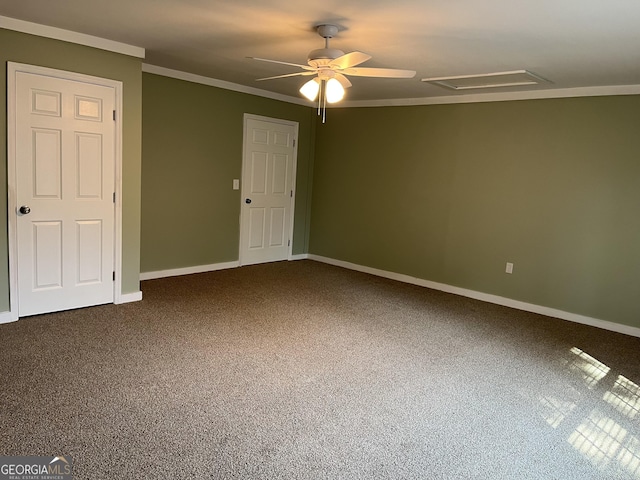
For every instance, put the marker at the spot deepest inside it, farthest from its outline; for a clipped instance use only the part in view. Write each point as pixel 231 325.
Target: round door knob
pixel 248 200
pixel 25 210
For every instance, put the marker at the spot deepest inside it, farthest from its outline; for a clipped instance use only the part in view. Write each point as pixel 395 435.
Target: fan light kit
pixel 330 67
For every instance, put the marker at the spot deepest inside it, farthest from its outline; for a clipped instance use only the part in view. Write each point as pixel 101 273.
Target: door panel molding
pixel 47 103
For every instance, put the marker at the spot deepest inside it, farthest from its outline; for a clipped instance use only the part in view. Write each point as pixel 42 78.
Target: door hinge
pixel 288 243
pixel 291 195
pixel 114 115
pixel 294 142
pixel 114 276
pixel 114 197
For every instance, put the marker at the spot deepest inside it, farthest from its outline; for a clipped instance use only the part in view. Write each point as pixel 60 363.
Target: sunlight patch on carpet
pixel 591 370
pixel 624 397
pixel 603 441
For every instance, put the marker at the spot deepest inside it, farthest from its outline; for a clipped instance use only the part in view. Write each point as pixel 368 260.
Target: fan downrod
pixel 322 56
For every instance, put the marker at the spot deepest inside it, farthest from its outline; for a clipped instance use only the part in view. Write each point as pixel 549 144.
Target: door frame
pixel 12 70
pixel 295 125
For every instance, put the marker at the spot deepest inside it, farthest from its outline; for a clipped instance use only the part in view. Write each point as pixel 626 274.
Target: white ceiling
pixel 572 43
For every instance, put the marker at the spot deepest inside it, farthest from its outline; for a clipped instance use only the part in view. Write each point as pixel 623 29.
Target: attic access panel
pixel 515 78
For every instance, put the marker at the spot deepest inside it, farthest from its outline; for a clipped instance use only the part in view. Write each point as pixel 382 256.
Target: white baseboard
pixel 176 272
pixel 485 297
pixel 188 270
pixel 128 298
pixel 7 317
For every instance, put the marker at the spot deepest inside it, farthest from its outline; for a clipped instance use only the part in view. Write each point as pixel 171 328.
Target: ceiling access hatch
pixel 515 78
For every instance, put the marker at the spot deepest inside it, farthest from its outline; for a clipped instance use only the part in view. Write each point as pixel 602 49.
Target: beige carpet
pixel 301 370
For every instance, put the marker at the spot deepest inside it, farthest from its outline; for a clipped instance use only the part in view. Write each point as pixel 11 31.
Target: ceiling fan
pixel 330 67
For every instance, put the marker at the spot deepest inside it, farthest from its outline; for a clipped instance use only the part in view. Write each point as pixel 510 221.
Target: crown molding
pixel 69 36
pixel 212 82
pixel 539 94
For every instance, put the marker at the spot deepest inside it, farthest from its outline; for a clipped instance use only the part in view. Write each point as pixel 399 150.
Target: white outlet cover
pixel 236 184
pixel 509 268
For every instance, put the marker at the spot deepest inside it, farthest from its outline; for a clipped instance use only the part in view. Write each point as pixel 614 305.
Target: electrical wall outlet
pixel 509 268
pixel 236 184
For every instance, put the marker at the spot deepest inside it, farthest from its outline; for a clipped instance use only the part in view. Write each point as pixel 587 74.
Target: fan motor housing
pixel 322 56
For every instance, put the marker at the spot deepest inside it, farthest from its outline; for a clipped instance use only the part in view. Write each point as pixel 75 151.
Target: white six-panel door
pixel 65 180
pixel 267 190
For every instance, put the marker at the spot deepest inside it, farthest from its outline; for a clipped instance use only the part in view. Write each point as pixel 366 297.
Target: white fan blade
pixel 305 67
pixel 344 81
pixel 286 75
pixel 349 60
pixel 379 72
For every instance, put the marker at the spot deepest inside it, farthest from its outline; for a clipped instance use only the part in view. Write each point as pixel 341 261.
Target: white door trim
pixel 12 70
pixel 295 125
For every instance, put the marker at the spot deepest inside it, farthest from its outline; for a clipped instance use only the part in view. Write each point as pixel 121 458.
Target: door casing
pixel 12 70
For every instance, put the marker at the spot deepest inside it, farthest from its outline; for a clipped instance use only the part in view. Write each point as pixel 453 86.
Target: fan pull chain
pixel 324 100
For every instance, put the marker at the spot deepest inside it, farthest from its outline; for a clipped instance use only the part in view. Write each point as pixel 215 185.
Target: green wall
pixel 34 50
pixel 450 193
pixel 192 151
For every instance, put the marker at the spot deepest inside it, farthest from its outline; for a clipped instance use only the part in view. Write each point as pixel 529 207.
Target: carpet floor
pixel 301 370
